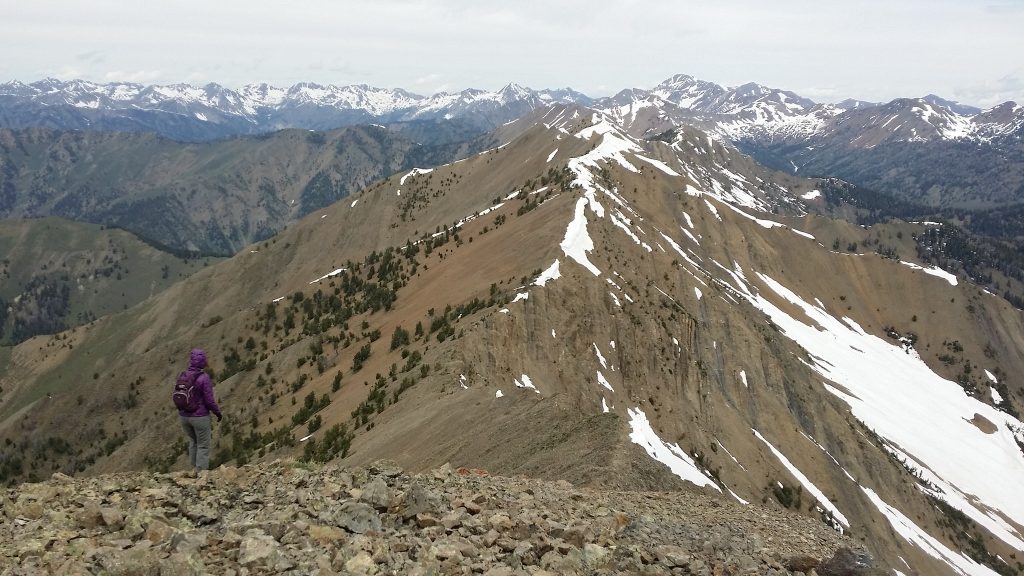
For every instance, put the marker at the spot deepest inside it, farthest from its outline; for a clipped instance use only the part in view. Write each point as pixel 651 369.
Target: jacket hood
pixel 197 359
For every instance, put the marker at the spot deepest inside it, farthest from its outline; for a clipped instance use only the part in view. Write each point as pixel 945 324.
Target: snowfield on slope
pixel 922 415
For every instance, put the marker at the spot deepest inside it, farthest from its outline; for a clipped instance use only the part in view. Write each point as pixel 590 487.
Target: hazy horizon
pixel 876 52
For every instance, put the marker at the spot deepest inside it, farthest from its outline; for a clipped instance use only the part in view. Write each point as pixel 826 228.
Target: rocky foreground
pixel 288 518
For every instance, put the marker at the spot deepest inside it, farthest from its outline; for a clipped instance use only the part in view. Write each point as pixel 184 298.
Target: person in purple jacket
pixel 197 422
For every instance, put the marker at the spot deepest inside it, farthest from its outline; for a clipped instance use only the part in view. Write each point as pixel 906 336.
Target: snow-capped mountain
pixel 759 113
pixel 894 147
pixel 747 112
pixel 186 112
pixel 899 148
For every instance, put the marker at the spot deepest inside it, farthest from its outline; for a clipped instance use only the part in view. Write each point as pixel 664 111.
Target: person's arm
pixel 211 403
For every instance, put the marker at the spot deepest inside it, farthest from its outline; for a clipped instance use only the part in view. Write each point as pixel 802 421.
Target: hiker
pixel 193 395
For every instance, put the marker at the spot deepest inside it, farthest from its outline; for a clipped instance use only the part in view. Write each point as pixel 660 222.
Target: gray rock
pixel 361 563
pixel 358 518
pixel 571 563
pixel 376 493
pixel 417 501
pixel 188 542
pixel 112 517
pixel 132 562
pixel 386 468
pixel 672 556
pixel 182 564
pixel 847 562
pixel 445 551
pixel 258 549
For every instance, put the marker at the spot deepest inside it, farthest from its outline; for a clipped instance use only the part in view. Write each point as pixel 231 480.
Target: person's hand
pixel 219 417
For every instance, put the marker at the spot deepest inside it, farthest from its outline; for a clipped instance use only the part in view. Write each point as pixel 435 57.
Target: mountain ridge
pixel 321 519
pixel 896 147
pixel 210 198
pixel 262 104
pixel 573 271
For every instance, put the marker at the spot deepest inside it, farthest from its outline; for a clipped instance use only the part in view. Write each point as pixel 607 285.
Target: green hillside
pixel 56 274
pixel 211 198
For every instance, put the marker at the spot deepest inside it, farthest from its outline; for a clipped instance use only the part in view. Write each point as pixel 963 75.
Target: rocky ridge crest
pixel 283 517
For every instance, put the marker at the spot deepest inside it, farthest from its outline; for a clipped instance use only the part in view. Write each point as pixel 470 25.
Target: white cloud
pixel 993 92
pixel 137 76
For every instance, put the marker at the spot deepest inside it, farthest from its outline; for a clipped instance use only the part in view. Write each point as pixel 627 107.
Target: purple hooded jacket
pixel 197 361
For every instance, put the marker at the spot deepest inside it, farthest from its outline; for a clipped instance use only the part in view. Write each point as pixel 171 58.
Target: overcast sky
pixel 827 51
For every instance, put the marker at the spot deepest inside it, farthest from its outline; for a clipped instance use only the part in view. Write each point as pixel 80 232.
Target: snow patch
pixel 760 221
pixel 577 241
pixel 738 499
pixel 615 299
pixel 713 210
pixel 934 271
pixel 997 398
pixel 414 172
pixel 806 482
pixel 659 165
pixel 525 382
pixel 671 455
pixel 600 357
pixel 912 533
pixel 330 274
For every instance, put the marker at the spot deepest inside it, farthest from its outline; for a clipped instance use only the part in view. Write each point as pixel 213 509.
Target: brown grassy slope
pixel 150 340
pixel 696 392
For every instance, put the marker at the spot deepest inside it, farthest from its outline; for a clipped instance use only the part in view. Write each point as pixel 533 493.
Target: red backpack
pixel 186 396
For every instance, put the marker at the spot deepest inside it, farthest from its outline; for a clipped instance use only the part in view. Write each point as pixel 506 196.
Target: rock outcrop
pixel 286 517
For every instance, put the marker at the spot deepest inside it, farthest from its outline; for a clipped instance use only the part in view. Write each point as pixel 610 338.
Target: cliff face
pixel 282 517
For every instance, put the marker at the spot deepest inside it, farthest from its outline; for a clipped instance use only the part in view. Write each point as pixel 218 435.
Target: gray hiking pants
pixel 197 428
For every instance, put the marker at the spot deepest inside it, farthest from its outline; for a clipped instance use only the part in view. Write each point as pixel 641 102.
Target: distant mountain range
pixel 186 112
pixel 928 150
pixel 753 111
pixel 198 113
pixel 213 198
